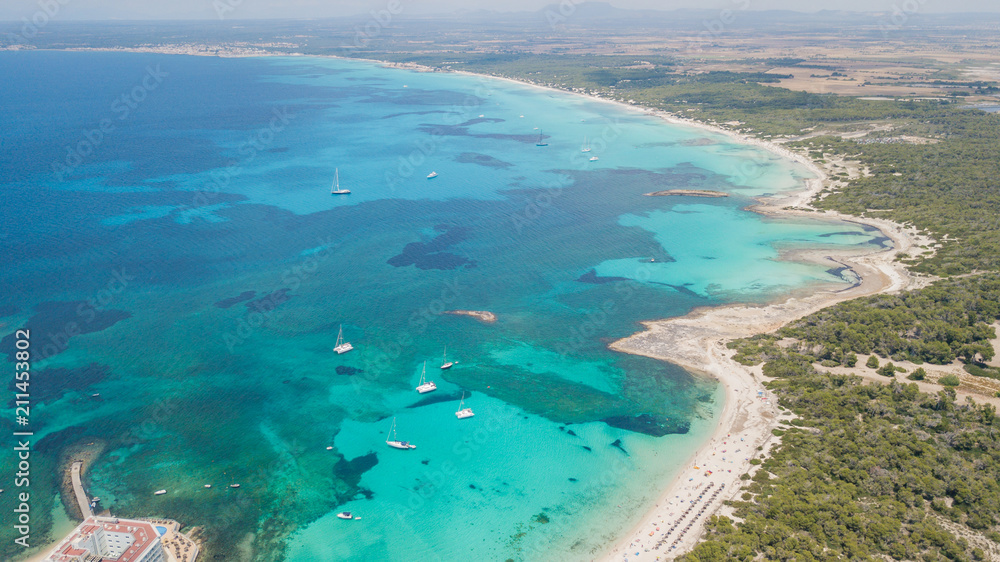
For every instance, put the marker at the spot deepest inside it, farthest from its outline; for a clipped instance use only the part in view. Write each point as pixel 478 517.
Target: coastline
pixel 697 341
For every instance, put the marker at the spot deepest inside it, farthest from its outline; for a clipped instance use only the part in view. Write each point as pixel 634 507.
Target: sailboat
pixel 342 346
pixel 336 190
pixel 463 413
pixel 586 145
pixel 393 442
pixel 425 385
pixel 541 141
pixel 445 363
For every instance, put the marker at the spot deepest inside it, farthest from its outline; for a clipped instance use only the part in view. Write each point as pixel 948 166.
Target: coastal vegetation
pixel 938 324
pixel 865 471
pixel 870 471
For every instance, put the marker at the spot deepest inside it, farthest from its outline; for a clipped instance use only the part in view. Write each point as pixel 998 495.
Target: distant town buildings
pixel 110 539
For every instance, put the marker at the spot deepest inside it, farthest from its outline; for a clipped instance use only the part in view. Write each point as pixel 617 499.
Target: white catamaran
pixel 342 346
pixel 463 413
pixel 393 442
pixel 425 385
pixel 336 190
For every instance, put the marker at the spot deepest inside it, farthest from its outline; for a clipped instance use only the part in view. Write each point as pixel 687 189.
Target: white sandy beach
pixel 698 340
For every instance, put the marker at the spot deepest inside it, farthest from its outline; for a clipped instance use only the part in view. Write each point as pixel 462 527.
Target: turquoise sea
pixel 170 240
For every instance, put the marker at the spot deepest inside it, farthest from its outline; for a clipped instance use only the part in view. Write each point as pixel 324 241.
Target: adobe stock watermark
pixel 376 24
pixel 538 546
pixel 544 198
pixel 121 108
pixel 258 141
pixel 900 15
pixel 86 313
pixel 423 149
pixel 580 336
pixel 558 14
pixel 261 310
pixel 714 28
pixel 223 7
pixel 381 358
pixel 47 11
pixel 435 481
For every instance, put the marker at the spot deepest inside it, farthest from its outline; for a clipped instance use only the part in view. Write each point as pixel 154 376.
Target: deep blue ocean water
pixel 170 241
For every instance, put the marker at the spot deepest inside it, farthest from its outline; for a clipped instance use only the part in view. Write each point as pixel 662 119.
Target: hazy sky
pixel 200 9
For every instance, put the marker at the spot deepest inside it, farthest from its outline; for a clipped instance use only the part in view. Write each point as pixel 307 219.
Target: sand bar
pixel 481 315
pixel 687 193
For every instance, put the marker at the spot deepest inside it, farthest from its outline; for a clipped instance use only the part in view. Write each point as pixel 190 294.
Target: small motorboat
pixel 345 515
pixel 234 485
pixel 159 492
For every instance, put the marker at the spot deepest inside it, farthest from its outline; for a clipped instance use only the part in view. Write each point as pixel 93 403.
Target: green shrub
pixel 977 371
pixel 872 362
pixel 851 359
pixel 950 380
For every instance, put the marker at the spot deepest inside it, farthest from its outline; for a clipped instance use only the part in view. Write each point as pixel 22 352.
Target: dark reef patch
pixel 415 113
pixel 245 295
pixel 414 96
pixel 437 398
pixel 617 444
pixel 883 241
pixel 344 370
pixel 682 289
pixel 592 278
pixel 430 255
pixel 350 472
pixel 56 322
pixel 479 120
pixel 649 424
pixel 269 301
pixel 844 233
pixel 460 131
pixel 701 141
pixel 49 385
pixel 481 160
